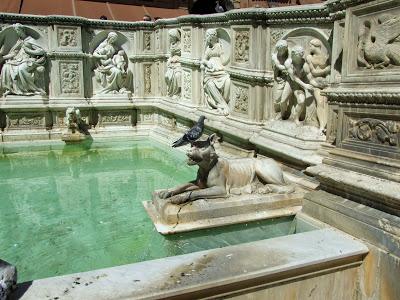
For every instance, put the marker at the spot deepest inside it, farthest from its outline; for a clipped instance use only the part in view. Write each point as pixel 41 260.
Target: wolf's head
pixel 202 153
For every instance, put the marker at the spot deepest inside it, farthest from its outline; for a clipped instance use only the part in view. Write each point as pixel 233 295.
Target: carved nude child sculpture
pixel 317 69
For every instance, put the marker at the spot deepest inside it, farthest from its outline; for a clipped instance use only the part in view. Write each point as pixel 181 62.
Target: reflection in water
pixel 78 209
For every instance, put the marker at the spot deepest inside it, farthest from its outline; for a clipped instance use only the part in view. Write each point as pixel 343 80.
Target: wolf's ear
pixel 212 139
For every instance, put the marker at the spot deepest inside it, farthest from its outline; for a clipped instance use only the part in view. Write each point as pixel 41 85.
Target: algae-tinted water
pixel 70 209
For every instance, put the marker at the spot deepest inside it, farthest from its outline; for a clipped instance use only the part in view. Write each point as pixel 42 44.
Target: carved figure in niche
pixel 216 80
pixel 317 68
pixel 174 71
pixel 218 177
pixel 110 69
pixel 23 67
pixel 279 58
pixel 296 85
pixel 379 42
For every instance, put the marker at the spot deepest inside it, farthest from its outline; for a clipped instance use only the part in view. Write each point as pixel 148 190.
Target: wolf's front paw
pixel 179 199
pixel 163 194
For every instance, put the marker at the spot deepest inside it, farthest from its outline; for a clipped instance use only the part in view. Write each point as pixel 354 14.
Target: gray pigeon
pixel 192 134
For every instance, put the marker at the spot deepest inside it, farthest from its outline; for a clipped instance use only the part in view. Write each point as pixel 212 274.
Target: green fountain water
pixel 67 209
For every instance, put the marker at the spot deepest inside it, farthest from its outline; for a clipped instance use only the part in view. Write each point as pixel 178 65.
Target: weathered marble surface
pixel 8 279
pixel 201 274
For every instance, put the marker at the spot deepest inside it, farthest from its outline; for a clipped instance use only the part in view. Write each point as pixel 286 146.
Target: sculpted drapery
pixel 23 66
pixel 110 69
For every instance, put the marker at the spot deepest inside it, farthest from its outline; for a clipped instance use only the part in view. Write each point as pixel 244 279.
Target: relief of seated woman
pixel 216 80
pixel 23 68
pixel 110 71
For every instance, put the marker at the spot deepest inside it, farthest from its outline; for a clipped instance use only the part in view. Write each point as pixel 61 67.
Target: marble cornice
pixel 147 57
pixel 71 20
pixel 190 62
pixel 252 77
pixel 327 12
pixel 385 97
pixel 65 54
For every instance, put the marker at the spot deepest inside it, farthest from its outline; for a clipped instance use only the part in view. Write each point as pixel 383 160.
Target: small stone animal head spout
pixel 8 279
pixel 73 117
pixel 202 153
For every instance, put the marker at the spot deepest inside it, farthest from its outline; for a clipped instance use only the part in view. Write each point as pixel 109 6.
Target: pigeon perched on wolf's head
pixel 192 134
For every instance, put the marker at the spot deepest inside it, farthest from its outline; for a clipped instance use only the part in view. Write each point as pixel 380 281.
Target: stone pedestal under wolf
pixel 218 177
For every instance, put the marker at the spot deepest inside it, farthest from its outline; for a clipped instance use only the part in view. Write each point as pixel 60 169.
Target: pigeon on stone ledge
pixel 192 134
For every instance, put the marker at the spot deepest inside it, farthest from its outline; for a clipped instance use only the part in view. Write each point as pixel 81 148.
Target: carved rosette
pixel 147 41
pixel 69 78
pixel 187 85
pixel 375 131
pixel 241 99
pixel 187 41
pixel 242 46
pixel 67 37
pixel 147 79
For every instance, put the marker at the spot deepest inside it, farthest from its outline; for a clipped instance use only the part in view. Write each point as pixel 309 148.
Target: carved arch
pixel 312 32
pixel 8 38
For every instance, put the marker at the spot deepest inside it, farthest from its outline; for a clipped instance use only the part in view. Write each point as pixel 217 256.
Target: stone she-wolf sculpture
pixel 24 63
pixel 8 279
pixel 218 177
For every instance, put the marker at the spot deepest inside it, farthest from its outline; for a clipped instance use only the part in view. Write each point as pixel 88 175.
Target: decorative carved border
pixel 252 78
pixel 369 97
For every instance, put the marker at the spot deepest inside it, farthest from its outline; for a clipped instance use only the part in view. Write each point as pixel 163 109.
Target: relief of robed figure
pixel 24 65
pixel 110 66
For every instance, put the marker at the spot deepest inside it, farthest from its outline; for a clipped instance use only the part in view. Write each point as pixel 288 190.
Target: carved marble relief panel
pixel 241 99
pixel 305 53
pixel 166 121
pixel 146 116
pixel 147 79
pixel 276 35
pixel 372 42
pixel 378 45
pixel 67 37
pixel 147 41
pixel 115 117
pixel 25 120
pixel 242 45
pixel 187 40
pixel 187 84
pixel 377 135
pixel 69 78
pixel 375 131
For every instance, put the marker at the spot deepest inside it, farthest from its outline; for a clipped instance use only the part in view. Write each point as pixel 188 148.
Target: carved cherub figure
pixel 279 58
pixel 317 68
